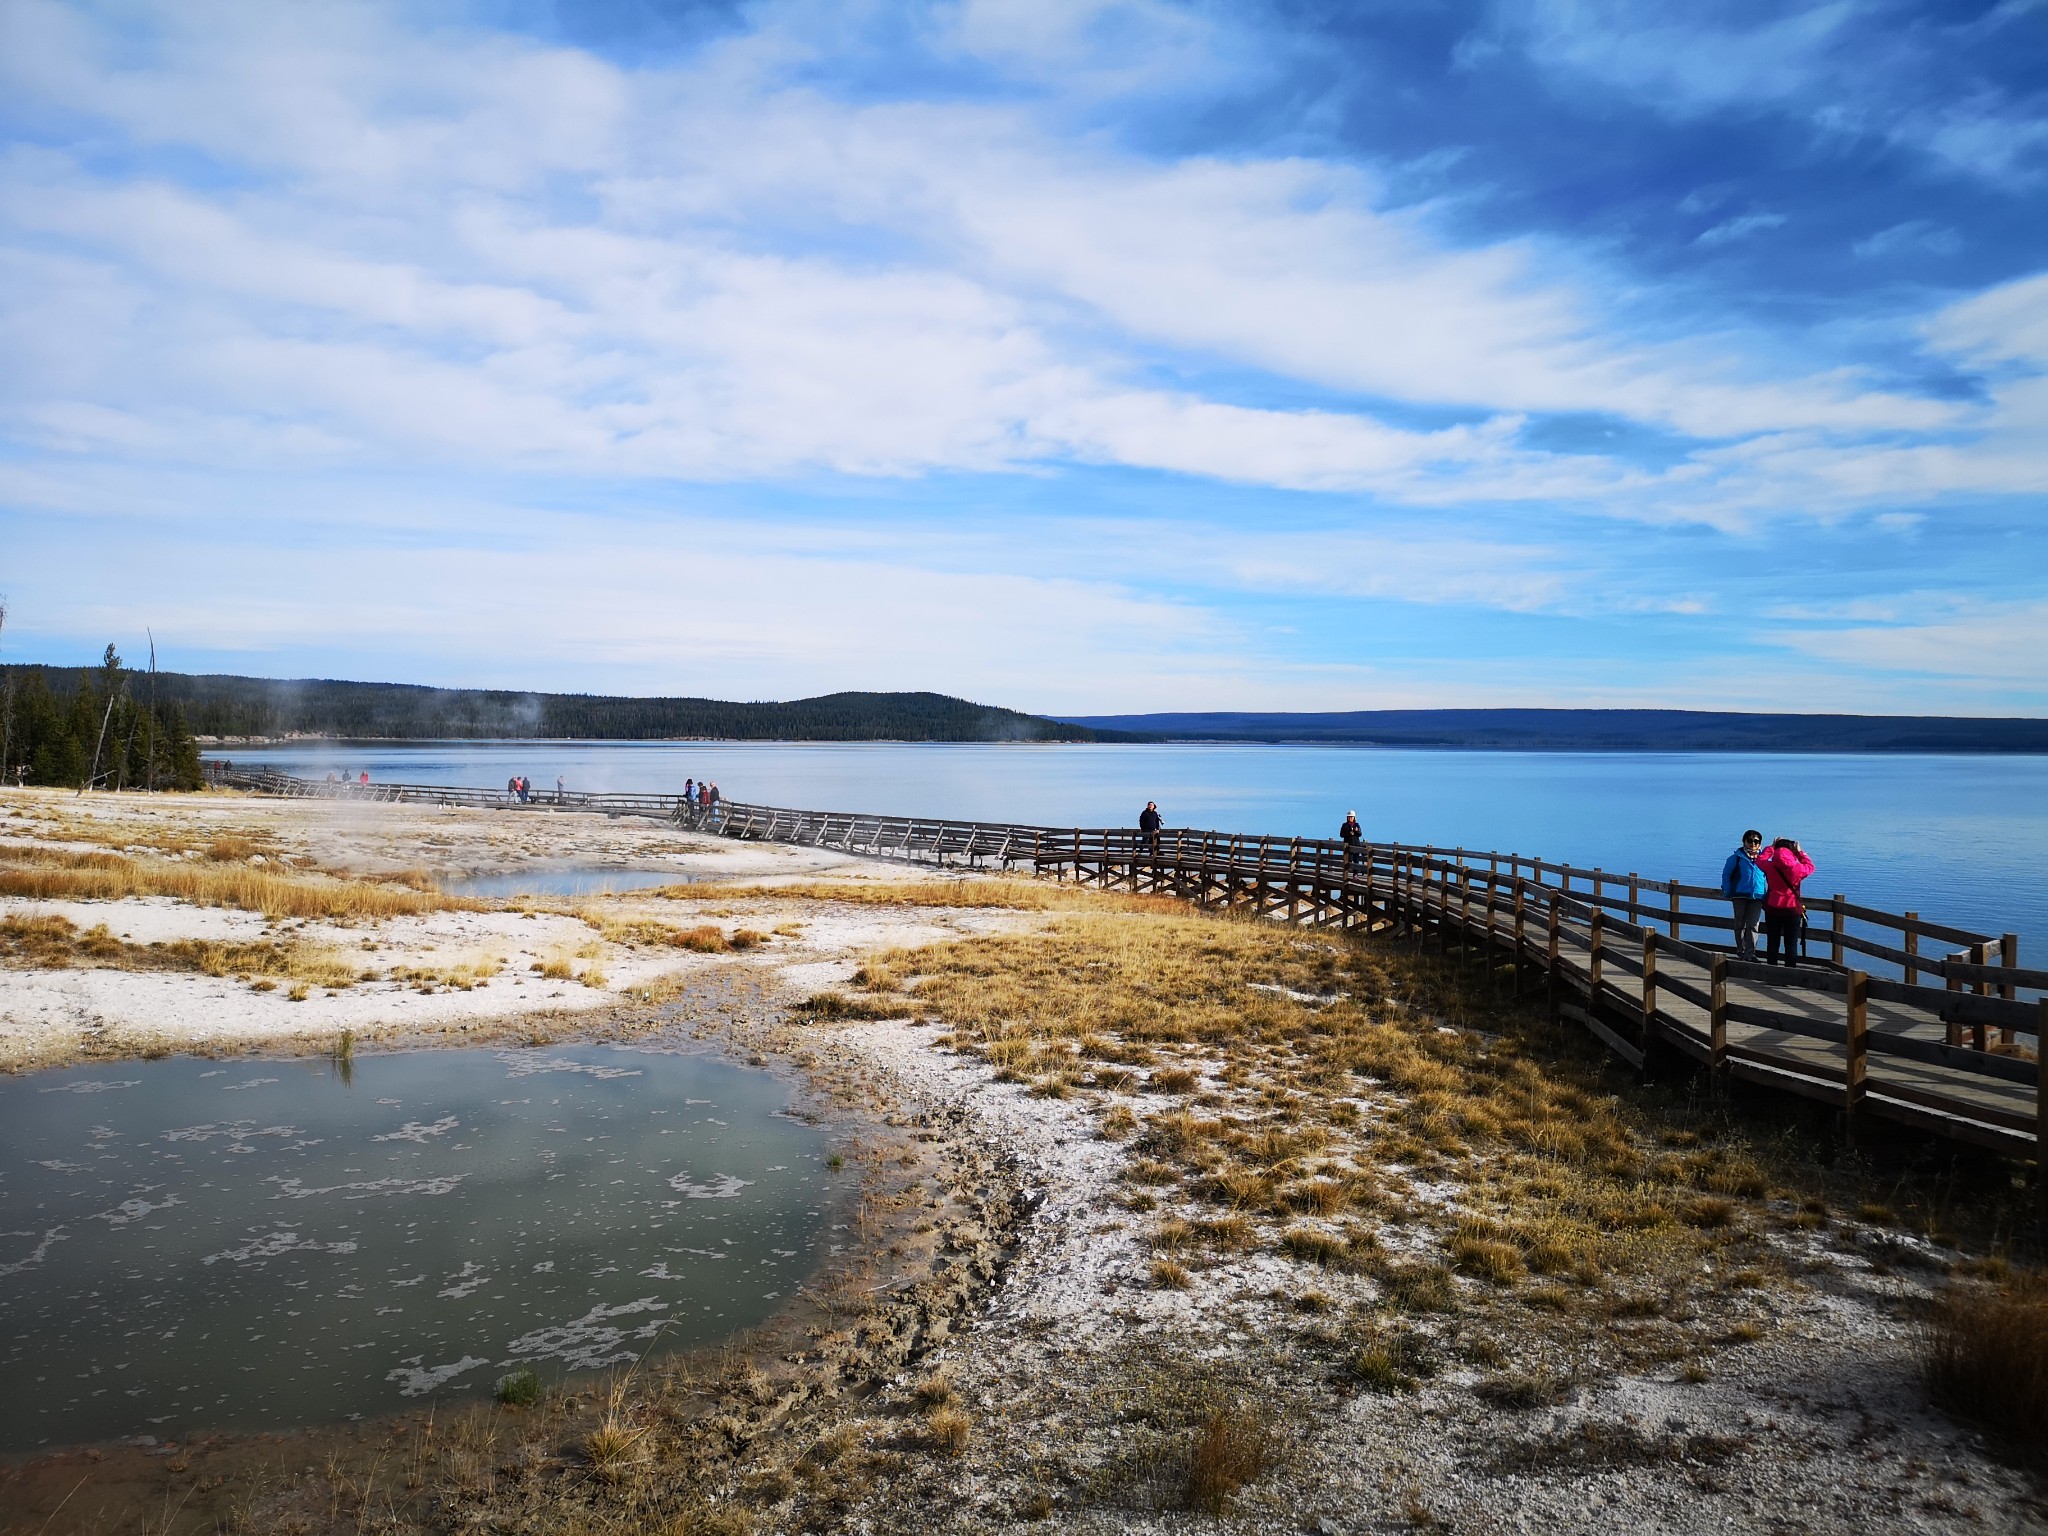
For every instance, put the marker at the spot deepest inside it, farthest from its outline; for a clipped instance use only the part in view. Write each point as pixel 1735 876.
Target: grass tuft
pixel 948 1428
pixel 1171 1275
pixel 1984 1356
pixel 519 1388
pixel 1233 1445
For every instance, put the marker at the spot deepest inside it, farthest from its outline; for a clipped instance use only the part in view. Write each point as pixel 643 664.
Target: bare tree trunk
pixel 150 788
pixel 94 777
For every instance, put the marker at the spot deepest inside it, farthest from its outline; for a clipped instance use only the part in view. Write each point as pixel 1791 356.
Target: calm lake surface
pixel 192 1244
pixel 1961 840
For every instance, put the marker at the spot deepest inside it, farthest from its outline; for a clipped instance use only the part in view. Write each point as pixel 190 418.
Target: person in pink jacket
pixel 1785 866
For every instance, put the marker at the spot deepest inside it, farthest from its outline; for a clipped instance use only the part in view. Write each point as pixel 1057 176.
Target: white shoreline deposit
pixel 440 971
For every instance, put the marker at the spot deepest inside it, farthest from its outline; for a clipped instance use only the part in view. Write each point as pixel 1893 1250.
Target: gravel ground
pixel 1816 1426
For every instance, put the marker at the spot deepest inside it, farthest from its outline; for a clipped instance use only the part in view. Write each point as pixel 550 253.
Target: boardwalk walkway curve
pixel 1893 1016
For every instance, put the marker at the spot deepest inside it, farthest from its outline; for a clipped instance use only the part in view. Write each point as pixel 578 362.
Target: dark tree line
pixel 249 706
pixel 102 726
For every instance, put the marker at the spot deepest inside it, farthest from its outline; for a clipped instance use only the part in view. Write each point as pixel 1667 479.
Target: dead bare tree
pixel 151 787
pixel 116 686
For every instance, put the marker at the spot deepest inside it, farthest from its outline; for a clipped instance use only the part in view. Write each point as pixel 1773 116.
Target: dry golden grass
pixel 1171 1275
pixel 1984 1355
pixel 1594 1194
pixel 1232 1446
pixel 457 976
pixel 50 874
pixel 948 1427
pixel 647 933
pixel 51 942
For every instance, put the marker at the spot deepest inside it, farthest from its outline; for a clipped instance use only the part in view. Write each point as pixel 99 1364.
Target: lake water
pixel 194 1244
pixel 1962 840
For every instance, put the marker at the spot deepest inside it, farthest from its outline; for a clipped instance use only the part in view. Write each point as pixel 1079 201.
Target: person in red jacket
pixel 1785 866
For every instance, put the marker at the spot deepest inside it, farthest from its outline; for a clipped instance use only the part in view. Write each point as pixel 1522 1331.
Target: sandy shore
pixel 1028 1302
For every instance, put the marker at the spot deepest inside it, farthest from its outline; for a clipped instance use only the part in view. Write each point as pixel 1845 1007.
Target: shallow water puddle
pixel 192 1244
pixel 564 881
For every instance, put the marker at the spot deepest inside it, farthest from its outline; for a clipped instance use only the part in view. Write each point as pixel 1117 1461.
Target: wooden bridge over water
pixel 1891 1015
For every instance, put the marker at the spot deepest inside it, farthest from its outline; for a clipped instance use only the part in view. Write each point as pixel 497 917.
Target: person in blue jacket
pixel 1743 883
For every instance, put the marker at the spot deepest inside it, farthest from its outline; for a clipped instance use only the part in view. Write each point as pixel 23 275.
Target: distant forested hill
pixel 253 706
pixel 1594 730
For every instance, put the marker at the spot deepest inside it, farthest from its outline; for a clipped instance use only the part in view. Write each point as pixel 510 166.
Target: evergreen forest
pixel 220 706
pixel 104 726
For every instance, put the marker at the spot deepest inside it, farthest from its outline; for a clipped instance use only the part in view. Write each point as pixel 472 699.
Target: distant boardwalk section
pixel 1891 1015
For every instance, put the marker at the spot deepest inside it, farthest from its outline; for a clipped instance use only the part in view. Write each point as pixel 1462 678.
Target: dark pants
pixel 1746 914
pixel 1781 927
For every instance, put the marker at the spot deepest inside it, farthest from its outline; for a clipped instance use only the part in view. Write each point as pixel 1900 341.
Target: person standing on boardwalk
pixel 1353 835
pixel 1785 866
pixel 1149 823
pixel 1743 883
pixel 561 788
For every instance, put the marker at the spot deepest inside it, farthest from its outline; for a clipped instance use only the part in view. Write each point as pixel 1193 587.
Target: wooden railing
pixel 1887 1014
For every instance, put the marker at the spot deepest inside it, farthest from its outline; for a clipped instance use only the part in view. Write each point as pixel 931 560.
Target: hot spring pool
pixel 191 1244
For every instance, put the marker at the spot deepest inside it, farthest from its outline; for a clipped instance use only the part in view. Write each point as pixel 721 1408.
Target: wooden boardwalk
pixel 1889 1015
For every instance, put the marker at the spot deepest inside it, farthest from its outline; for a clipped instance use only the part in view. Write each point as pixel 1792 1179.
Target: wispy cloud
pixel 1739 228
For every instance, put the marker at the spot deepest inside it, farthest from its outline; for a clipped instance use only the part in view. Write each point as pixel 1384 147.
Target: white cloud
pixel 1913 235
pixel 1984 645
pixel 465 246
pixel 1739 228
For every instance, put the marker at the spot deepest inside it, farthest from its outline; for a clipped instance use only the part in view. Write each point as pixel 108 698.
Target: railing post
pixel 1979 955
pixel 1464 908
pixel 1552 967
pixel 1953 984
pixel 1492 957
pixel 2041 1110
pixel 1717 1016
pixel 1649 995
pixel 1858 1047
pixel 1635 895
pixel 1674 908
pixel 1912 926
pixel 2009 957
pixel 1838 928
pixel 1521 931
pixel 1595 941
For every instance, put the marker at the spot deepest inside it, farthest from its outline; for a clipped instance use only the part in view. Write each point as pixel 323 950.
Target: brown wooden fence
pixel 1888 1014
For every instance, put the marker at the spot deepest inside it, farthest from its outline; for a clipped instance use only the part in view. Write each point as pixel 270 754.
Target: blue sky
pixel 1075 356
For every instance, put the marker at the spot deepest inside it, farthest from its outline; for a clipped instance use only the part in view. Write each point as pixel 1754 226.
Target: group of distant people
pixel 333 777
pixel 1763 883
pixel 520 788
pixel 701 797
